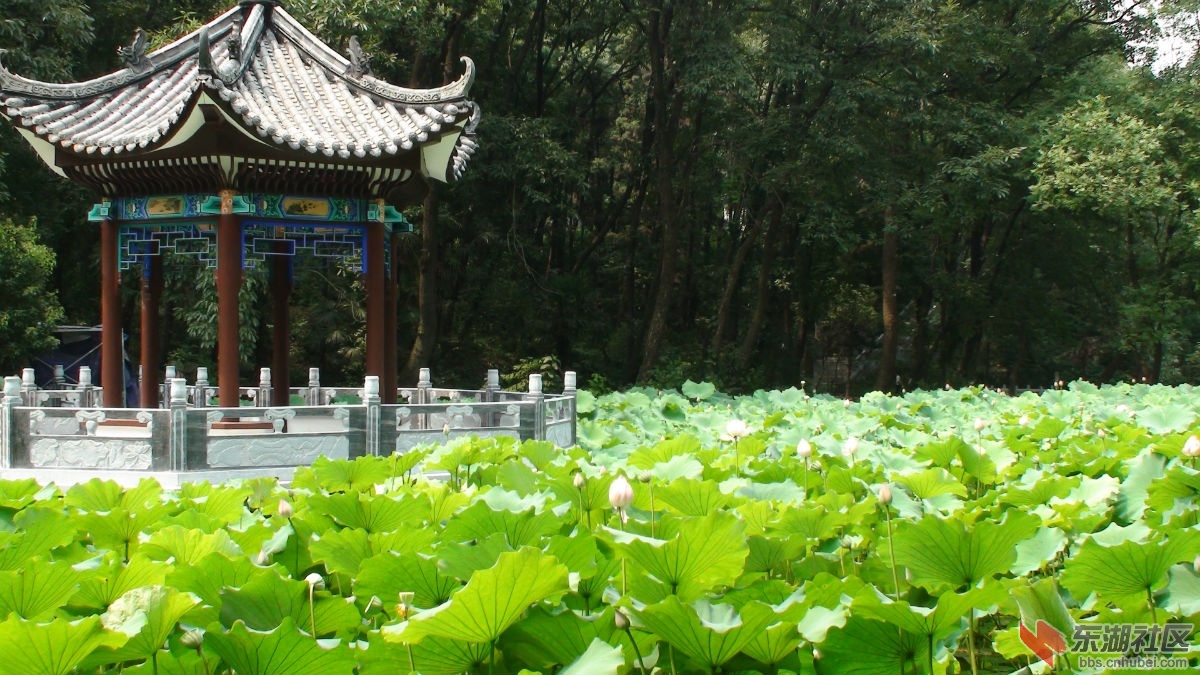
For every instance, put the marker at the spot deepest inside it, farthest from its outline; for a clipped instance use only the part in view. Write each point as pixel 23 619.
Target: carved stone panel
pixel 274 450
pixel 90 453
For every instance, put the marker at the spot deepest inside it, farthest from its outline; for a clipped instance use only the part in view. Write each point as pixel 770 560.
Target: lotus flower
pixel 804 448
pixel 1191 447
pixel 736 429
pixel 285 508
pixel 620 493
pixel 849 446
pixel 885 494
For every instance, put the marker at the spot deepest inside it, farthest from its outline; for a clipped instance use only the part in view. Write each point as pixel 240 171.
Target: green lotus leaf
pixel 39 589
pixel 698 391
pixel 600 658
pixel 433 656
pixel 547 640
pixel 54 648
pixel 1182 596
pixel 1178 488
pixel 931 483
pixel 187 547
pixel 121 529
pixel 342 475
pixel 705 553
pixel 40 530
pixel 481 520
pixel 935 623
pixel 179 662
pixel 946 552
pixel 1166 419
pixel 1034 553
pixel 1041 601
pixel 17 494
pixel 371 512
pixel 226 504
pixel 112 579
pixel 490 602
pixel 517 477
pixel 709 633
pixel 105 495
pixel 786 492
pixel 282 651
pixel 1128 569
pixel 690 497
pixel 267 600
pixel 342 551
pixel 868 647
pixel 463 560
pixel 385 576
pixel 211 575
pixel 811 523
pixel 592 434
pixel 147 615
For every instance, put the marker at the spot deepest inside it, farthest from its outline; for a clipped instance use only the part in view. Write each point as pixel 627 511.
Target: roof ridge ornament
pixel 134 56
pixel 360 61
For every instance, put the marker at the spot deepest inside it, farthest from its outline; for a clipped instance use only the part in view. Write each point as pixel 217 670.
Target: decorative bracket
pixel 212 205
pixel 99 212
pixel 388 214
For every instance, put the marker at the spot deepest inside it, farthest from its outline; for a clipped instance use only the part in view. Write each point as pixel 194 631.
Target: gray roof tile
pixel 289 89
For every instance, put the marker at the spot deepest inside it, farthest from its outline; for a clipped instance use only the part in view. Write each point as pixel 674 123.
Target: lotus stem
pixel 312 611
pixel 887 517
pixel 971 642
pixel 640 661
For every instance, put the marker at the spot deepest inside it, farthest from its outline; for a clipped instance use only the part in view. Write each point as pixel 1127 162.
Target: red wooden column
pixel 229 283
pixel 281 333
pixel 389 380
pixel 375 300
pixel 151 331
pixel 112 361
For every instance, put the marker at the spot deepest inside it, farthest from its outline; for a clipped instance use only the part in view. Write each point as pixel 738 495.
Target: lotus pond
pixel 936 532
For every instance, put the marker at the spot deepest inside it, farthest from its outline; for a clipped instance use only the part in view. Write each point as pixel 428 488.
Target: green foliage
pixel 30 311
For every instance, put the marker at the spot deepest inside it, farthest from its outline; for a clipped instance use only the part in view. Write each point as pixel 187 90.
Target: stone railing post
pixel 493 385
pixel 87 391
pixel 29 388
pixel 164 389
pixel 424 395
pixel 12 398
pixel 371 400
pixel 200 391
pixel 262 397
pixel 313 395
pixel 570 384
pixel 535 396
pixel 177 401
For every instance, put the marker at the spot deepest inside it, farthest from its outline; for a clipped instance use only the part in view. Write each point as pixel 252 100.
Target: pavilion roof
pixel 289 93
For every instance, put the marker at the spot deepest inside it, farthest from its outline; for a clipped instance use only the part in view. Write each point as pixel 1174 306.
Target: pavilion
pixel 246 142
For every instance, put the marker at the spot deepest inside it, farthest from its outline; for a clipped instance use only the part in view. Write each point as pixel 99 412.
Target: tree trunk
pixel 886 379
pixel 425 340
pixel 732 280
pixel 663 146
pixel 762 287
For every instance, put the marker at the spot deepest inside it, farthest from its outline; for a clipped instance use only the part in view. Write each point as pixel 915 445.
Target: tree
pixel 30 311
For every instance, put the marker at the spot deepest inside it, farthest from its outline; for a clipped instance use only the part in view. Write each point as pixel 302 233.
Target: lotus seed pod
pixel 285 509
pixel 645 477
pixel 804 448
pixel 620 493
pixel 885 494
pixel 315 581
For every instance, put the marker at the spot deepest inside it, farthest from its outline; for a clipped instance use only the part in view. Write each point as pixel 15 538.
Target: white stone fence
pixel 56 431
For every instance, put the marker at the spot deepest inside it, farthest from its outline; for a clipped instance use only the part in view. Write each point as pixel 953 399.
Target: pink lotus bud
pixel 285 508
pixel 315 581
pixel 1024 421
pixel 1191 447
pixel 620 620
pixel 979 424
pixel 849 446
pixel 1196 564
pixel 620 493
pixel 804 448
pixel 885 494
pixel 578 481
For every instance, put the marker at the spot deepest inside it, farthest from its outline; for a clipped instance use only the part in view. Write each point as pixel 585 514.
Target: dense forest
pixel 853 194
